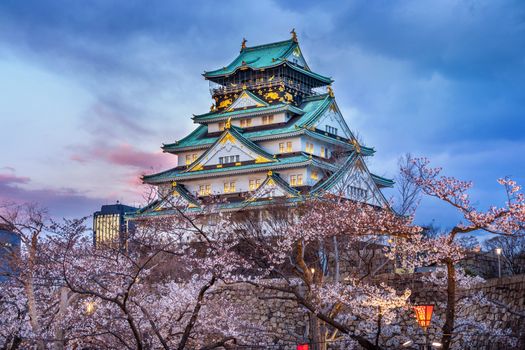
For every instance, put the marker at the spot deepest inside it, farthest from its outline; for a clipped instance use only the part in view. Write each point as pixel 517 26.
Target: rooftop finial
pixel 330 91
pixel 243 44
pixel 294 35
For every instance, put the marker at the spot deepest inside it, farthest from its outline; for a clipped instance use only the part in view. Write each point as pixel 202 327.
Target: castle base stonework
pixel 273 322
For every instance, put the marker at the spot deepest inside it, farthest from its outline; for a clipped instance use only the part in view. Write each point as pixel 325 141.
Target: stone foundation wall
pixel 272 322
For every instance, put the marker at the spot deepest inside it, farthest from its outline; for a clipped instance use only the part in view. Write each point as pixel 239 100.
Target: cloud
pixel 61 202
pixel 123 155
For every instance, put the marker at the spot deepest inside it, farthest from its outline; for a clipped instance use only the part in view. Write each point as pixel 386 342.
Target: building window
pixel 188 159
pixel 357 192
pixel 245 123
pixel 331 130
pixel 254 184
pixel 281 147
pixel 323 152
pixel 296 180
pixel 288 146
pixel 221 160
pixel 204 190
pixel 267 119
pixel 309 148
pixel 221 126
pixel 194 157
pixel 314 175
pixel 229 187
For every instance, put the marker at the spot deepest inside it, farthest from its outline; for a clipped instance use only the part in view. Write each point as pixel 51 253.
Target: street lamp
pixel 498 253
pixel 423 317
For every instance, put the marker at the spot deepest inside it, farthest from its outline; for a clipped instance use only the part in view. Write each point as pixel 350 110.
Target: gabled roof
pixel 168 201
pixel 313 106
pixel 247 95
pixel 233 134
pixel 218 116
pixel 330 181
pixel 293 161
pixel 262 57
pixel 274 180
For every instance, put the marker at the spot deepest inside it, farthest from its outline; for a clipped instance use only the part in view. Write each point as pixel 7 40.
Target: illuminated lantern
pixel 302 347
pixel 424 315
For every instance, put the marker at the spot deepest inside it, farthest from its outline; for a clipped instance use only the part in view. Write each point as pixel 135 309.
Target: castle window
pixel 299 179
pixel 229 187
pixel 245 123
pixel 314 175
pixel 188 159
pixel 221 160
pixel 293 180
pixel 281 147
pixel 204 190
pixel 331 130
pixel 288 146
pixel 221 126
pixel 309 148
pixel 323 152
pixel 194 157
pixel 267 119
pixel 254 184
pixel 357 192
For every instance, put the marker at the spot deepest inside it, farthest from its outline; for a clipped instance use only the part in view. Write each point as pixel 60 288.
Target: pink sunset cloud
pixel 126 155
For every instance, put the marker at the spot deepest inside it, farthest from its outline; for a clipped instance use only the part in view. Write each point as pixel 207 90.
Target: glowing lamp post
pixel 423 317
pixel 498 253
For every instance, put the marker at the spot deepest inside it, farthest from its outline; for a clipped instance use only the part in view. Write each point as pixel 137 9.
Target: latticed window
pixel 288 146
pixel 267 119
pixel 281 147
pixel 221 126
pixel 314 175
pixel 188 159
pixel 229 187
pixel 323 152
pixel 299 179
pixel 331 130
pixel 204 190
pixel 246 123
pixel 194 157
pixel 254 184
pixel 293 180
pixel 309 148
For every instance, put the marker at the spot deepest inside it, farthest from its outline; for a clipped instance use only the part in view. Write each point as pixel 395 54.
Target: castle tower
pixel 273 133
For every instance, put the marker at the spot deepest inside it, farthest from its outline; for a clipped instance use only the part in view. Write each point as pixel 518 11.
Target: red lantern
pixel 302 347
pixel 424 315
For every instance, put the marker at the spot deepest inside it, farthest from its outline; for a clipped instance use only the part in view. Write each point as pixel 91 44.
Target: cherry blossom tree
pixel 504 220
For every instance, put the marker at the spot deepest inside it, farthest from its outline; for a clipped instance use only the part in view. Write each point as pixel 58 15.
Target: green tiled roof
pixel 265 56
pixel 216 116
pixel 175 174
pixel 312 107
pixel 382 181
pixel 237 134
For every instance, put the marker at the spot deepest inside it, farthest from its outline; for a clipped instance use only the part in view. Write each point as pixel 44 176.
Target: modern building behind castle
pixel 273 132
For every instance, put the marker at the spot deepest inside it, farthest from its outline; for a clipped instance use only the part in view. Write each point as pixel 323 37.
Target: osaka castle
pixel 274 133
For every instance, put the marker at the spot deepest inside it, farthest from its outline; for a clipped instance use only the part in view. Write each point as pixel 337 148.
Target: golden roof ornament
pixel 330 91
pixel 356 145
pixel 270 173
pixel 228 123
pixel 294 35
pixel 174 184
pixel 243 44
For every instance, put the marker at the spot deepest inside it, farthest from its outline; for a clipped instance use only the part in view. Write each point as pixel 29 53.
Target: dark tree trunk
pixel 450 312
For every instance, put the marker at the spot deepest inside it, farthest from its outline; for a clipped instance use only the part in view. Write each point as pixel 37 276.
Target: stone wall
pixel 272 322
